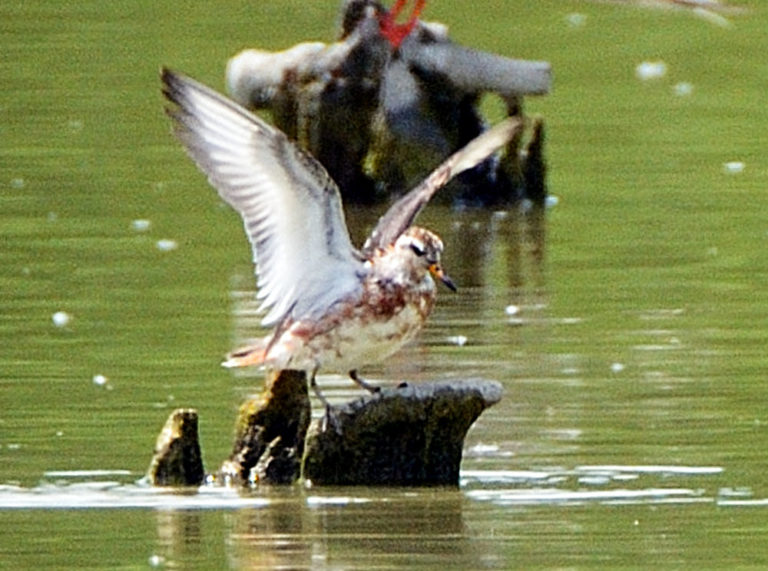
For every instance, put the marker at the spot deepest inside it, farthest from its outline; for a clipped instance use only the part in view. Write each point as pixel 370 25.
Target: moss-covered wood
pixel 270 432
pixel 177 460
pixel 412 435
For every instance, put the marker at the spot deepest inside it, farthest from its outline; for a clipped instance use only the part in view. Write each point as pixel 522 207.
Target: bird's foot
pixel 331 420
pixel 373 389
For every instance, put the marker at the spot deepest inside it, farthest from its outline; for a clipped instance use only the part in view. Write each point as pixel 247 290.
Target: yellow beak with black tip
pixel 438 273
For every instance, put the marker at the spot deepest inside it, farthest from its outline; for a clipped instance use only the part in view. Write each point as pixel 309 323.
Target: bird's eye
pixel 416 250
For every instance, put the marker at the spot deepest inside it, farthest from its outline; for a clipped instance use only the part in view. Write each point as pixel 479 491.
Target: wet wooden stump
pixel 412 435
pixel 177 460
pixel 270 432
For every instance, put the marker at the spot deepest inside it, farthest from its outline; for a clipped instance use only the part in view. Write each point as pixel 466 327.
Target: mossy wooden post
pixel 409 435
pixel 270 433
pixel 177 460
pixel 412 435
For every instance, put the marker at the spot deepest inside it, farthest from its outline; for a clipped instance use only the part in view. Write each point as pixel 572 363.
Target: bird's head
pixel 424 249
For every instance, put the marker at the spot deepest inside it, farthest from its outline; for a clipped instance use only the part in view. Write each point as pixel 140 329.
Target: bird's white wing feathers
pixel 290 207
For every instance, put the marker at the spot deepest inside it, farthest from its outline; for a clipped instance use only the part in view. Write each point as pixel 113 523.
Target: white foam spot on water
pixel 459 340
pixel 512 309
pixel 166 245
pixel 576 19
pixel 650 70
pixel 683 89
pixel 61 318
pixel 141 225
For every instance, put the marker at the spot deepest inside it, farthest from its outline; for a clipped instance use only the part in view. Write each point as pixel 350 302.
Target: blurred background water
pixel 632 349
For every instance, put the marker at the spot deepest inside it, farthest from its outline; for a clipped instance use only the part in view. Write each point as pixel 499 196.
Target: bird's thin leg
pixel 316 389
pixel 331 417
pixel 363 383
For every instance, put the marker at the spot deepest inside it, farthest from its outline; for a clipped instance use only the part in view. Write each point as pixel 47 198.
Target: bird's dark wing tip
pixel 171 84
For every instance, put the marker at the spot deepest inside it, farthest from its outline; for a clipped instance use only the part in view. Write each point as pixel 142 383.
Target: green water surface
pixel 638 343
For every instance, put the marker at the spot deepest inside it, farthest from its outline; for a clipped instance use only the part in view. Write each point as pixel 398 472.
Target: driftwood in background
pixel 384 104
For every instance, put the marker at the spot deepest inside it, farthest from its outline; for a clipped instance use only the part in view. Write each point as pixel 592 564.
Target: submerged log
pixel 270 432
pixel 412 435
pixel 177 460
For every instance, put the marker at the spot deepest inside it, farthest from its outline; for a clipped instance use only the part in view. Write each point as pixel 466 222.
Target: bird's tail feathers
pixel 247 356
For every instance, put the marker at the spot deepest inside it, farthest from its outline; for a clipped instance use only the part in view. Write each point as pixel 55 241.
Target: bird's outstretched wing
pixel 290 207
pixel 402 213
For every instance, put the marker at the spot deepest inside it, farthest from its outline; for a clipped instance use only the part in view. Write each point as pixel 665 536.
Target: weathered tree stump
pixel 177 460
pixel 270 432
pixel 412 435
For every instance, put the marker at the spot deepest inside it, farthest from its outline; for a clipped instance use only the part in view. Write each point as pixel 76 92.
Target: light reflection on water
pixel 415 528
pixel 87 489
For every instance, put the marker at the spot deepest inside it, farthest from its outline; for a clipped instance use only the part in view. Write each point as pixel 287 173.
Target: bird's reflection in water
pixel 179 537
pixel 362 527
